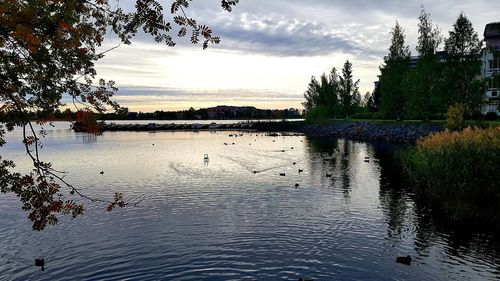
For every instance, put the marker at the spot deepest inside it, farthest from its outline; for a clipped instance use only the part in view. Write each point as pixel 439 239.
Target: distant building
pixel 491 65
pixel 441 58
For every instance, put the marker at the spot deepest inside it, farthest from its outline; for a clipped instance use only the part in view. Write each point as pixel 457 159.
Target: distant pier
pixel 266 126
pixel 172 127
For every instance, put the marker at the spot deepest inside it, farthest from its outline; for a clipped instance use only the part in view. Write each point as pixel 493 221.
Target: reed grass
pixel 458 172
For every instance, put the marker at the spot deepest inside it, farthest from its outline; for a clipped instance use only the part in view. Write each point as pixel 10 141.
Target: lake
pixel 348 218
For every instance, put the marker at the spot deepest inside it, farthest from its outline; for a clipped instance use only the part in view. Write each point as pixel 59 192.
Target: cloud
pixel 270 49
pixel 151 98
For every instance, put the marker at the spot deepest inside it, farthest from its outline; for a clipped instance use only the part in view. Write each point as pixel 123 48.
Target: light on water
pixel 232 216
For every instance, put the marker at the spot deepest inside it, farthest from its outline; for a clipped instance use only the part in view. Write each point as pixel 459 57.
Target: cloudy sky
pixel 270 49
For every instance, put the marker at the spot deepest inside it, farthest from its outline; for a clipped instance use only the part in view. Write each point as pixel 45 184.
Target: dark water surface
pixel 220 221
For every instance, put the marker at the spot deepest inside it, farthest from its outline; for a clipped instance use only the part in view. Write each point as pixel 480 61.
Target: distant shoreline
pixel 394 132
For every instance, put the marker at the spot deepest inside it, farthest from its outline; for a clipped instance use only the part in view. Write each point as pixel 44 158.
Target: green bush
pixel 455 117
pixel 491 116
pixel 378 115
pixel 363 115
pixel 458 173
pixel 318 115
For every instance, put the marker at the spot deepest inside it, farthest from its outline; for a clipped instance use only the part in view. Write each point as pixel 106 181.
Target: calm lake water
pixel 220 221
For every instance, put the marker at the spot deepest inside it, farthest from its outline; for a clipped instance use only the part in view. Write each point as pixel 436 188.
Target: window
pixel 494 83
pixel 494 93
pixel 493 105
pixel 496 63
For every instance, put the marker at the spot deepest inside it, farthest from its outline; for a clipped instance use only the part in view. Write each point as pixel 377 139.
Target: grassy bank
pixel 457 172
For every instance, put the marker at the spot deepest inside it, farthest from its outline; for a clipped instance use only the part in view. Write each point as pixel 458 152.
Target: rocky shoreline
pixel 394 133
pixel 369 131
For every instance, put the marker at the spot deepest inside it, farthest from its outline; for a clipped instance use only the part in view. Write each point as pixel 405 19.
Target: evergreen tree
pixel 390 90
pixel 374 102
pixel 463 66
pixel 323 93
pixel 424 81
pixel 312 95
pixel 349 90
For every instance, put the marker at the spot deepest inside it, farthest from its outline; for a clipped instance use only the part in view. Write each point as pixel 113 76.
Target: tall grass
pixel 458 172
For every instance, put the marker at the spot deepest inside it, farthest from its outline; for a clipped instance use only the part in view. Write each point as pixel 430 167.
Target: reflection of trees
pixel 346 153
pixel 410 216
pixel 392 194
pixel 322 153
pixel 88 138
pixel 334 157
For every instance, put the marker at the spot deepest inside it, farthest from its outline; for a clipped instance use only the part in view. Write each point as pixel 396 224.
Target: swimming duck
pixel 404 260
pixel 40 263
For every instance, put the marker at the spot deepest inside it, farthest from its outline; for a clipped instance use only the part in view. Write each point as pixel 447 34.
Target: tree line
pixel 423 87
pixel 333 95
pixel 246 112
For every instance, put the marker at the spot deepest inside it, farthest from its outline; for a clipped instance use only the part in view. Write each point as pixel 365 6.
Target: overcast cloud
pixel 270 49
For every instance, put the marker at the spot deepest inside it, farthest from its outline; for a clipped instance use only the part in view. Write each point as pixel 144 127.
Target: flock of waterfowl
pixel 282 174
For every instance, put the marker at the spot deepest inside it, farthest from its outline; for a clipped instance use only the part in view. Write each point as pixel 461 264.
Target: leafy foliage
pixel 333 95
pixel 394 75
pixel 48 49
pixel 455 117
pixel 469 159
pixel 426 88
pixel 464 65
pixel 318 115
pixel 424 80
pixel 323 94
pixel 349 90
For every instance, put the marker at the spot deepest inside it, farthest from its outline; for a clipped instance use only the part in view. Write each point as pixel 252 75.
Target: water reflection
pixel 349 217
pixel 412 228
pixel 333 161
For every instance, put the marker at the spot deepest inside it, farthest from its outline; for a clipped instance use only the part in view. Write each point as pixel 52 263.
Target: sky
pixel 270 49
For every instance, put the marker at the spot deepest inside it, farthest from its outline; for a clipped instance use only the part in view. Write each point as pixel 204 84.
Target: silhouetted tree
pixel 349 90
pixel 323 93
pixel 425 80
pixel 463 66
pixel 394 73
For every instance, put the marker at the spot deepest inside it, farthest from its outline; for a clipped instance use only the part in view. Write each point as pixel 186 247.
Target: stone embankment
pixel 393 132
pixel 166 127
pixel 389 132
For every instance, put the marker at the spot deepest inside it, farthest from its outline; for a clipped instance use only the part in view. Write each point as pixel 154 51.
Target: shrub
pixel 318 115
pixel 491 116
pixel 458 172
pixel 363 115
pixel 378 115
pixel 455 117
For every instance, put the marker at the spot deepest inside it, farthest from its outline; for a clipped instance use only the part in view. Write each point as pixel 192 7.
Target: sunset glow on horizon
pixel 269 51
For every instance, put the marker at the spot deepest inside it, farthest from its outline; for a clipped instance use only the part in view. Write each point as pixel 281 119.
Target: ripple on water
pixel 222 222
